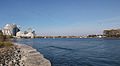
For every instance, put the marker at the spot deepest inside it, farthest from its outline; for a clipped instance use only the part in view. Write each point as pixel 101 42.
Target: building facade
pixel 10 29
pixel 112 33
pixel 26 34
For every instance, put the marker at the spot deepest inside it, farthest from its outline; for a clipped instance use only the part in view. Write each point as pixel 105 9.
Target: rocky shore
pixel 22 55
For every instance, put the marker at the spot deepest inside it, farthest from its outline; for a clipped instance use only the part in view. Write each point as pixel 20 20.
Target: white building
pixel 19 34
pixel 10 29
pixel 26 34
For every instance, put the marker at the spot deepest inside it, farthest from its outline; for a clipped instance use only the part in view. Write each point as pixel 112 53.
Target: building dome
pixel 10 26
pixel 7 26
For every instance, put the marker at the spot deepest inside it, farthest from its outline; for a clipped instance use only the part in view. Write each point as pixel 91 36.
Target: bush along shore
pixel 21 55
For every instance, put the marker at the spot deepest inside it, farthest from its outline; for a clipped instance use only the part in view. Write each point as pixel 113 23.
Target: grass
pixel 5 40
pixel 6 44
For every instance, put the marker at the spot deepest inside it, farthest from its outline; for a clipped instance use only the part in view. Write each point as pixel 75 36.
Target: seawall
pixel 22 55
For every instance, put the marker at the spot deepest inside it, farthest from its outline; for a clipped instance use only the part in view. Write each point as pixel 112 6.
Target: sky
pixel 61 17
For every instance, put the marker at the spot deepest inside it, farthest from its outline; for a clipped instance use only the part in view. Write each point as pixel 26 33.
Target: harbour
pixel 77 51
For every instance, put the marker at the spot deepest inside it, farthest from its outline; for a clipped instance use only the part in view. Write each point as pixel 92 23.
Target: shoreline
pixel 22 55
pixel 31 57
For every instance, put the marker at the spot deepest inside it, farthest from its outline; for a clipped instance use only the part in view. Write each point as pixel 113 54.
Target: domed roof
pixel 7 26
pixel 10 26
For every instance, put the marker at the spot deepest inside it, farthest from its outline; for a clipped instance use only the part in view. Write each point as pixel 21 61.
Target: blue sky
pixel 62 17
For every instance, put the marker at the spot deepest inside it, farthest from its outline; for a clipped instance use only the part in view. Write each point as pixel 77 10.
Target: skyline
pixel 62 17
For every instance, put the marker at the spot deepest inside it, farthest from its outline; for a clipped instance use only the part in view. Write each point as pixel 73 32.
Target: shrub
pixel 5 41
pixel 6 44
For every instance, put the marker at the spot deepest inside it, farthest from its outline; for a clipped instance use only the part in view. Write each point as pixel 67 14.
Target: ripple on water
pixel 78 52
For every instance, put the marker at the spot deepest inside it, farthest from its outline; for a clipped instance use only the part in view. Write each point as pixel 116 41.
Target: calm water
pixel 78 52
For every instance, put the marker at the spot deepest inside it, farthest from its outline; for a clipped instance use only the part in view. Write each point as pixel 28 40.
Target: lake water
pixel 77 52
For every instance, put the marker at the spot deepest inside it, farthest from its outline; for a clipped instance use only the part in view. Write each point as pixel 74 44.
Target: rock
pixel 22 55
pixel 30 57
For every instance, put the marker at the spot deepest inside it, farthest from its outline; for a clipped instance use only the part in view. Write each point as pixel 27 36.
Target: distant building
pixel 112 33
pixel 10 29
pixel 13 30
pixel 26 34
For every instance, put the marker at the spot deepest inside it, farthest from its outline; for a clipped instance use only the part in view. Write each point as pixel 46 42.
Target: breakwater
pixel 22 55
